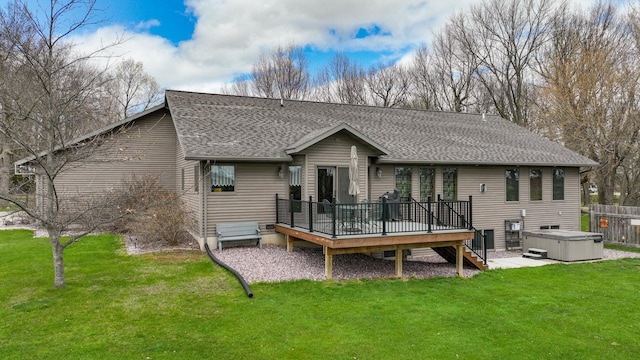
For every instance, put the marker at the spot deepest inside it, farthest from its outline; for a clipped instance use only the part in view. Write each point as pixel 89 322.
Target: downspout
pixel 205 190
pixel 242 281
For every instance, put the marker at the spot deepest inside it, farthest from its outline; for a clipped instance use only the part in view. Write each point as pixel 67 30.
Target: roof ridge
pixel 336 103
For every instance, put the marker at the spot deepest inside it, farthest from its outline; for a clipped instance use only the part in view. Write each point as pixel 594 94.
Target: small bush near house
pixel 164 218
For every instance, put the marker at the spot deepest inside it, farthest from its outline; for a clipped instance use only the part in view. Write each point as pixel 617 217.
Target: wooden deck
pixel 366 243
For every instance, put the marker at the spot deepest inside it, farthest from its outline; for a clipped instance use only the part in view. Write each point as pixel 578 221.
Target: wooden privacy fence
pixel 618 224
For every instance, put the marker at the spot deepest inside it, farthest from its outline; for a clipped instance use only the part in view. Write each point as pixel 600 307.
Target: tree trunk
pixel 6 170
pixel 58 262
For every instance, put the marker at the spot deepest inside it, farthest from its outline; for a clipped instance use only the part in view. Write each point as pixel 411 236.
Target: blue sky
pixel 200 45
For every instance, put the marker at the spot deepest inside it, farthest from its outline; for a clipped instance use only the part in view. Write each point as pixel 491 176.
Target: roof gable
pixel 316 136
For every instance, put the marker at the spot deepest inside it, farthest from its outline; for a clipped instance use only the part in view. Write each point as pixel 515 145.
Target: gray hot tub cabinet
pixel 564 245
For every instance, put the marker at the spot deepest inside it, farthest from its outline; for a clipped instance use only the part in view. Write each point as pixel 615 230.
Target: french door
pixel 333 182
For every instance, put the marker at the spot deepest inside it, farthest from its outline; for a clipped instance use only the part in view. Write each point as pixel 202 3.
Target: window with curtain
pixel 223 178
pixel 450 184
pixel 512 184
pixel 558 184
pixel 535 184
pixel 427 183
pixel 403 182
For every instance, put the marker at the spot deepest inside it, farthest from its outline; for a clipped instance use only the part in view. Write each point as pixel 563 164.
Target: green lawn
pixel 180 306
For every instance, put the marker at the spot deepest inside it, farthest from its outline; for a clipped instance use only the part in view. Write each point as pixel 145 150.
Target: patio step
pixel 534 253
pixel 470 259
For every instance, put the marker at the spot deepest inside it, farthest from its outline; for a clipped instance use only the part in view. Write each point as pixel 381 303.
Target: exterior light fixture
pixel 280 172
pixel 379 172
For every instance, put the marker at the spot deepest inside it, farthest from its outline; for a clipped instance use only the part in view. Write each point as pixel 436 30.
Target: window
pixel 223 178
pixel 427 183
pixel 535 184
pixel 196 178
pixel 558 184
pixel 403 182
pixel 512 177
pixel 182 179
pixel 295 186
pixel 450 184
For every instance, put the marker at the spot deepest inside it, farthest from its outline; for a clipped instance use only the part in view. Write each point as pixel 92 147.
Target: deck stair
pixel 470 259
pixel 534 253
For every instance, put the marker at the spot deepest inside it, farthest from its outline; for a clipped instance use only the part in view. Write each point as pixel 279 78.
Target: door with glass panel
pixel 326 185
pixel 333 183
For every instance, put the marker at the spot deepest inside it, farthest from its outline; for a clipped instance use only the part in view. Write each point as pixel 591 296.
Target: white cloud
pixel 229 35
pixel 146 25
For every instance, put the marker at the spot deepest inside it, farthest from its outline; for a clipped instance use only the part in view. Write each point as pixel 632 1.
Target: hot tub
pixel 564 245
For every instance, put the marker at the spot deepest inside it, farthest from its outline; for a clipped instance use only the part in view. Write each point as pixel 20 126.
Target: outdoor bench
pixel 240 231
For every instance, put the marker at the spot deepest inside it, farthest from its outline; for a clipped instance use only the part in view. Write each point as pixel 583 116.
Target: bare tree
pixel 629 169
pixel 342 81
pixel 589 92
pixel 424 95
pixel 132 89
pixel 454 70
pixel 49 98
pixel 240 86
pixel 281 73
pixel 444 78
pixel 503 37
pixel 388 85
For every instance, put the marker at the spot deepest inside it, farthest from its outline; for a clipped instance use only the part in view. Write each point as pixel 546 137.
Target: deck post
pixel 438 206
pixel 470 213
pixel 484 248
pixel 429 214
pixel 277 212
pixel 291 202
pixel 399 262
pixel 333 218
pixel 385 215
pixel 310 213
pixel 328 263
pixel 459 259
pixel 289 243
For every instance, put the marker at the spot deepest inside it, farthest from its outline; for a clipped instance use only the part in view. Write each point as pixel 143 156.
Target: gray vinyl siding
pixel 384 184
pixel 335 151
pixel 490 208
pixel 191 195
pixel 256 186
pixel 145 147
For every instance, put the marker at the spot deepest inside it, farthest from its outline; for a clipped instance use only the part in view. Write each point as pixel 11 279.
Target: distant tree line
pixel 570 74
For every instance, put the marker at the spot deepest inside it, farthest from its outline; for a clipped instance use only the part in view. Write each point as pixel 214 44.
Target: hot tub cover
pixel 566 235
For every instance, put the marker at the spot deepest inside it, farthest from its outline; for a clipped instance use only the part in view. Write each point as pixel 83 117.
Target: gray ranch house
pixel 460 184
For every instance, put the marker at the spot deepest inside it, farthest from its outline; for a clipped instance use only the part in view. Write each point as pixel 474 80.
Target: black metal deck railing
pixel 368 218
pixel 477 245
pixel 381 217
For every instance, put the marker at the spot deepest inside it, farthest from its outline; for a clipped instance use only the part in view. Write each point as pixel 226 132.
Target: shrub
pixel 157 213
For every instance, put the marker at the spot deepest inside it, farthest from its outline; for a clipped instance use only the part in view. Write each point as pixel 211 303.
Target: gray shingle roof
pixel 211 126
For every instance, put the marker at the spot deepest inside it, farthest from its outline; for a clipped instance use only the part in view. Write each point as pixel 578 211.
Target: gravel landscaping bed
pixel 274 263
